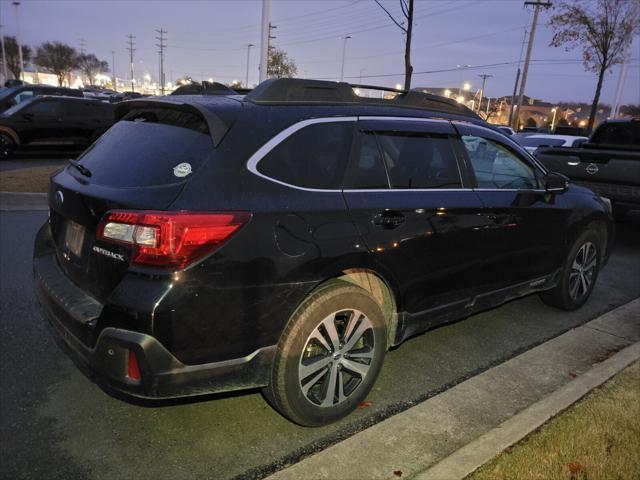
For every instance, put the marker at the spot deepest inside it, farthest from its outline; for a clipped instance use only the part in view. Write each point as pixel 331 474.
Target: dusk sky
pixel 208 39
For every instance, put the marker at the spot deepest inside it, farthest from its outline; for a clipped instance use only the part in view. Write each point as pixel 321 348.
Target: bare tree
pixel 57 58
pixel 280 65
pixel 91 66
pixel 13 55
pixel 407 28
pixel 601 31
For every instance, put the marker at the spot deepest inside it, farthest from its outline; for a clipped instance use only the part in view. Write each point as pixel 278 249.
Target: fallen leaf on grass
pixel 574 467
pixel 365 404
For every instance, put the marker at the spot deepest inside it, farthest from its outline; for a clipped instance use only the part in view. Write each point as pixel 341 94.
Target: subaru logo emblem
pixel 59 197
pixel 592 169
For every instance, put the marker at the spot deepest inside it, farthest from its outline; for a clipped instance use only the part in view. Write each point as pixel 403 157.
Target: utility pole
pixel 246 78
pixel 264 41
pixel 82 43
pixel 534 23
pixel 484 81
pixel 269 47
pixel 4 58
pixel 162 45
pixel 344 51
pixel 113 70
pixel 17 4
pixel 131 49
pixel 615 109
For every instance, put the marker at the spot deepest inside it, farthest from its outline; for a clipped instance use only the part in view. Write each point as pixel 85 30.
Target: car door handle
pixel 388 220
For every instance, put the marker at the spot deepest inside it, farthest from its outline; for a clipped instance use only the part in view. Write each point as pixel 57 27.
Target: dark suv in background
pixel 286 239
pixel 11 96
pixel 45 123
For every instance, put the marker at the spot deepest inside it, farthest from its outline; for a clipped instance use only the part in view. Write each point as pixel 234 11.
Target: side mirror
pixel 556 182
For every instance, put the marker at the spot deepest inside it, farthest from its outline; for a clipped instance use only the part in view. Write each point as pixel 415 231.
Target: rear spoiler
pixel 217 122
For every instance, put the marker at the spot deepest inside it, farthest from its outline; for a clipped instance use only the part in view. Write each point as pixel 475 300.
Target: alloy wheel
pixel 336 358
pixel 583 270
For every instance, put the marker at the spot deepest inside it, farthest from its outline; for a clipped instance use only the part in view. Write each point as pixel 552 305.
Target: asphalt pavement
pixel 57 424
pixel 26 162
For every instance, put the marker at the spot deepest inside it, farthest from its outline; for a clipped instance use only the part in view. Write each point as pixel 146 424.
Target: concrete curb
pixel 21 201
pixel 486 447
pixel 455 432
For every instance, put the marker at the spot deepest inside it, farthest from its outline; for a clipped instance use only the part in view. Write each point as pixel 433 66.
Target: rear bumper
pixel 73 315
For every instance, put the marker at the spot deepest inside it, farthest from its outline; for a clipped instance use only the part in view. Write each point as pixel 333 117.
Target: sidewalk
pixel 452 434
pixel 17 201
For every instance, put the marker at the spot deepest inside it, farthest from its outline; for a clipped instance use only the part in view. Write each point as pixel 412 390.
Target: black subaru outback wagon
pixel 286 239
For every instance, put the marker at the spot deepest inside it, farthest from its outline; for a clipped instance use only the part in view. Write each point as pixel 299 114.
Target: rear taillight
pixel 170 240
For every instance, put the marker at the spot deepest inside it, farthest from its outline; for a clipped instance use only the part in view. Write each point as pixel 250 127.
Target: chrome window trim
pixel 264 150
pixel 405 119
pixel 404 190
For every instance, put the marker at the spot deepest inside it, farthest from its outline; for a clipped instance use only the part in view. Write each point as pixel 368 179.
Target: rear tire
pixel 579 274
pixel 7 146
pixel 329 355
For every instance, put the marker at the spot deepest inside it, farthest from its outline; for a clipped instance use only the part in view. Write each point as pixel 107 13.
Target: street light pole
pixel 344 51
pixel 246 79
pixel 113 70
pixel 17 4
pixel 553 120
pixel 264 41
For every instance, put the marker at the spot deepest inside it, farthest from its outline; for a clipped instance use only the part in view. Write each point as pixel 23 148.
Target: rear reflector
pixel 170 240
pixel 133 370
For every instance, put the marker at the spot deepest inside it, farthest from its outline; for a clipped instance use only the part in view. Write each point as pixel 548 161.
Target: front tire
pixel 329 355
pixel 7 146
pixel 579 274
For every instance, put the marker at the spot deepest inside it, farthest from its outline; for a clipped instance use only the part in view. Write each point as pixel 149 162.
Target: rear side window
pixel 312 157
pixel 366 168
pixel 618 134
pixel 45 108
pixel 419 161
pixel 140 151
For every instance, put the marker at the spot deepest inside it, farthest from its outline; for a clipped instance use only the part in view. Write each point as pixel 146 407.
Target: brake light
pixel 170 240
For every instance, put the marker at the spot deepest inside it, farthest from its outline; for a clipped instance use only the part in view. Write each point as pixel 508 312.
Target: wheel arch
pixel 382 293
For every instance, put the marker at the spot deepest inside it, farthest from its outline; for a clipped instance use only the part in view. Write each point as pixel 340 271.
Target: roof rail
pixel 298 91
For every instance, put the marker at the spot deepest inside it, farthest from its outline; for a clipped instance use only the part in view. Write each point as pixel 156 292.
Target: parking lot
pixel 57 424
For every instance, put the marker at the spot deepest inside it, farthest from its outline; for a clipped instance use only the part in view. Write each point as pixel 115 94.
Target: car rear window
pixel 618 134
pixel 149 148
pixel 537 142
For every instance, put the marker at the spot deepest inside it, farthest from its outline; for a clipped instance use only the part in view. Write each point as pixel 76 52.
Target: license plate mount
pixel 74 238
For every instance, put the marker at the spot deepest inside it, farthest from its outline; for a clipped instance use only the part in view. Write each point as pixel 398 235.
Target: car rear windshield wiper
pixel 82 169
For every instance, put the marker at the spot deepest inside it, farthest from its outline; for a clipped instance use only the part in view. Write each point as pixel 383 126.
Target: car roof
pixel 563 137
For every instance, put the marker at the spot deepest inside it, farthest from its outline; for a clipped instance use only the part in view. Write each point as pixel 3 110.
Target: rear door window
pixel 312 157
pixel 419 161
pixel 149 148
pixel 366 169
